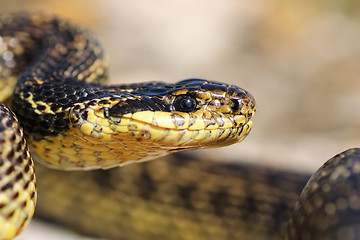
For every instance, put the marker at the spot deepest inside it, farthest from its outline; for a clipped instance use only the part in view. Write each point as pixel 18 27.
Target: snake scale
pixel 55 73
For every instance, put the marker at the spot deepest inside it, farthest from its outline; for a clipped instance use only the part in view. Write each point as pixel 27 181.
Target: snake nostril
pixel 236 105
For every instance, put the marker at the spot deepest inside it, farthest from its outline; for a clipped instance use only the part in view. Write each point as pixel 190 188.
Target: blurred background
pixel 300 60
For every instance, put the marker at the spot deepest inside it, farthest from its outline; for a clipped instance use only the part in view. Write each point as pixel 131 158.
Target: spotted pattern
pixel 329 206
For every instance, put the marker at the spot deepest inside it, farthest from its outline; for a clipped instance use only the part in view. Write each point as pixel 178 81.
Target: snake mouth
pixel 168 129
pixel 238 136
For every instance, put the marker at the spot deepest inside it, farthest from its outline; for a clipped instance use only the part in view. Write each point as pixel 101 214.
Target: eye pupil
pixel 184 103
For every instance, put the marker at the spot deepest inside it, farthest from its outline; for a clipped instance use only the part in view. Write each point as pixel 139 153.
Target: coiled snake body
pixel 74 122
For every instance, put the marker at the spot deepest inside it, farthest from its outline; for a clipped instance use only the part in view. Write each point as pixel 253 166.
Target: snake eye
pixel 184 103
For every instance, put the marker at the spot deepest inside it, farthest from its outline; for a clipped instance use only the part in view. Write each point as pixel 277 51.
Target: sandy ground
pixel 300 60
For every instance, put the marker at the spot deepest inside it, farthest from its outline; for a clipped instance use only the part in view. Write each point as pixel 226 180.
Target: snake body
pixel 17 182
pixel 72 121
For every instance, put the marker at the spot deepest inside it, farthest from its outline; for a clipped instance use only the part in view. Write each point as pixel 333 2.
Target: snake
pixel 82 132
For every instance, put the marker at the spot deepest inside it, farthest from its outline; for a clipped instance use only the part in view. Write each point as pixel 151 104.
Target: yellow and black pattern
pixel 73 121
pixel 17 182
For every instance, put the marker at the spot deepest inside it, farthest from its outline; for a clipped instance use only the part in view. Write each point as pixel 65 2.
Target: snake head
pixel 145 121
pixel 211 114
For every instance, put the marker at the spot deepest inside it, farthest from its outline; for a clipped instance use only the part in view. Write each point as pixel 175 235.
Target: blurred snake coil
pixel 53 75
